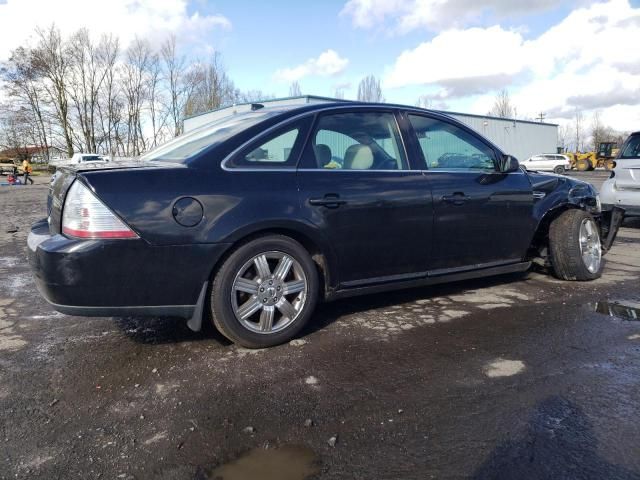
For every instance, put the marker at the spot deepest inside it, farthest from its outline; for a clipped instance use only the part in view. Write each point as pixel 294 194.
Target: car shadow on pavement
pixel 327 313
pixel 160 330
pixel 559 442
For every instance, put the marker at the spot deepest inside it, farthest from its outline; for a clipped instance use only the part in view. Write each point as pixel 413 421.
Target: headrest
pixel 358 157
pixel 323 154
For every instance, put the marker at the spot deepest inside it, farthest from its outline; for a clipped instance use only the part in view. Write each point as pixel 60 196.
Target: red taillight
pixel 85 216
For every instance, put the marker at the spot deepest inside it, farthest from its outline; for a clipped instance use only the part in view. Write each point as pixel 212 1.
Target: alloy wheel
pixel 269 292
pixel 590 247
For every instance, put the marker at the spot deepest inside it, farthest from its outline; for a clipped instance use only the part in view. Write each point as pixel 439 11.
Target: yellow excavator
pixel 602 158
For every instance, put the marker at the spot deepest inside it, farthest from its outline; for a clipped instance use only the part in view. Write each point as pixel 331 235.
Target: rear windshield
pixel 631 148
pixel 191 143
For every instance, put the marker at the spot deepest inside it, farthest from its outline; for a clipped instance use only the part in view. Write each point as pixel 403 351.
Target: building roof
pixel 308 98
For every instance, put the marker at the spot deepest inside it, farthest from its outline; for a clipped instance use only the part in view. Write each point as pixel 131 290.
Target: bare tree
pixel 424 101
pixel 564 136
pixel 89 64
pixel 155 100
pixel 109 106
pixel 600 132
pixel 369 90
pixel 134 84
pixel 503 106
pixel 213 88
pixel 50 61
pixel 295 90
pixel 17 131
pixel 339 93
pixel 578 131
pixel 252 96
pixel 181 82
pixel 24 88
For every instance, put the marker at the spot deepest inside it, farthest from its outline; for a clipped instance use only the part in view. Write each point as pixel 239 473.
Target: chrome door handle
pixel 329 201
pixel 457 198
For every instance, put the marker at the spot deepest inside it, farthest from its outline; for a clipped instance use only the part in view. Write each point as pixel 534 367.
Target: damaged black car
pixel 250 221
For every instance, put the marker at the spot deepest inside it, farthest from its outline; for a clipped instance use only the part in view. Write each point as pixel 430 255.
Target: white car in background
pixel 622 189
pixel 548 162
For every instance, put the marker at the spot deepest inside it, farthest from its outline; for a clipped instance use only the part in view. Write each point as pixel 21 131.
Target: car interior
pixel 360 142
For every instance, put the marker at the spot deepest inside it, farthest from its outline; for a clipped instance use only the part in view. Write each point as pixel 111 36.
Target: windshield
pixel 191 143
pixel 632 148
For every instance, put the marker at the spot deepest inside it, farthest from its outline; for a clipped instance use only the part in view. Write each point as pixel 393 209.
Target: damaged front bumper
pixel 610 221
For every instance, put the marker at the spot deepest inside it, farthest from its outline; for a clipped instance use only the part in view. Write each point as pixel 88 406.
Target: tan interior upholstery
pixel 358 157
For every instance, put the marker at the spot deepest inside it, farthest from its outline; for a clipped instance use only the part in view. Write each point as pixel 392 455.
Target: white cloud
pixel 327 64
pixel 407 15
pixel 556 72
pixel 457 55
pixel 123 18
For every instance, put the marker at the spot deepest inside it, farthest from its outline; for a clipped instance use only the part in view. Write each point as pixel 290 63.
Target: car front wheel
pixel 265 292
pixel 574 244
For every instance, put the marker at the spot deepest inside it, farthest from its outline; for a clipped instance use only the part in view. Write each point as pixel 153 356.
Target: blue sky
pixel 267 36
pixel 553 56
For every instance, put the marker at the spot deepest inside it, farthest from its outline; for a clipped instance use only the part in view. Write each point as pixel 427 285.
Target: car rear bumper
pixel 119 277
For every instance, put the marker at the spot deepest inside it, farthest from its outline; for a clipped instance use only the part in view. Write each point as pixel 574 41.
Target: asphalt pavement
pixel 514 377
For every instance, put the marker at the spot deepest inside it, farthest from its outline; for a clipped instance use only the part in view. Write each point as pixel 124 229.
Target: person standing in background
pixel 26 167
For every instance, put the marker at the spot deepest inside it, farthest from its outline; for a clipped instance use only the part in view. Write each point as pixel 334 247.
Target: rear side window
pixel 446 146
pixel 631 148
pixel 278 149
pixel 357 141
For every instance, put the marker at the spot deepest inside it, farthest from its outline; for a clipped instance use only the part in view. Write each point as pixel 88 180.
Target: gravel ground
pixel 510 377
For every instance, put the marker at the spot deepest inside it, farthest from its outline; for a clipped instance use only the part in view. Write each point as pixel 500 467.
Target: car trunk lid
pixel 65 176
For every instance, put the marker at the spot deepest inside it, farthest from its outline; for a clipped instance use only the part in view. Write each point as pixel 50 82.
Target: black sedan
pixel 251 220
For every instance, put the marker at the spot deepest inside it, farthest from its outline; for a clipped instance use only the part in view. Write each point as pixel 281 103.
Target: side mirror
pixel 508 164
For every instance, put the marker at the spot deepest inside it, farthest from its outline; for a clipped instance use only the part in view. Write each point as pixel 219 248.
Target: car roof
pixel 290 111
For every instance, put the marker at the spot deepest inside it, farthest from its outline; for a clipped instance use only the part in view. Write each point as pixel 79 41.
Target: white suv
pixel 548 162
pixel 623 187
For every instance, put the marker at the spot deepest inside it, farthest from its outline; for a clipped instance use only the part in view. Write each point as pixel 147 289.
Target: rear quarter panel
pixel 235 203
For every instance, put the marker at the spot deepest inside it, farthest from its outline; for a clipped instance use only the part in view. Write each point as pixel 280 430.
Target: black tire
pixel 559 170
pixel 564 247
pixel 583 165
pixel 222 313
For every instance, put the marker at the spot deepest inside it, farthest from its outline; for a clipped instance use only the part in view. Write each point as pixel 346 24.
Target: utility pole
pixel 541 116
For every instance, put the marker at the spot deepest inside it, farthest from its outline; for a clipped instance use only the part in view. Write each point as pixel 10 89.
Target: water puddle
pixel 625 311
pixel 290 462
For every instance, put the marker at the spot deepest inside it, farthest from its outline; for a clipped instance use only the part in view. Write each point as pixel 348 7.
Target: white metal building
pixel 520 138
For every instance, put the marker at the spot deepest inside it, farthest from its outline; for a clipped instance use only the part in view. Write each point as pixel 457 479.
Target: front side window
pixel 446 146
pixel 357 141
pixel 632 148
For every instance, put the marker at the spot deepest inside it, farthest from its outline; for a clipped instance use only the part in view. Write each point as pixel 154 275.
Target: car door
pixel 482 217
pixel 356 187
pixel 534 163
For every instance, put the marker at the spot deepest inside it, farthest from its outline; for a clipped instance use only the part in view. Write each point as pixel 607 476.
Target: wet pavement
pixel 512 377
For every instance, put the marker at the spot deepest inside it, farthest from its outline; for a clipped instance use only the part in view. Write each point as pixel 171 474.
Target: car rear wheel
pixel 265 292
pixel 574 244
pixel 559 170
